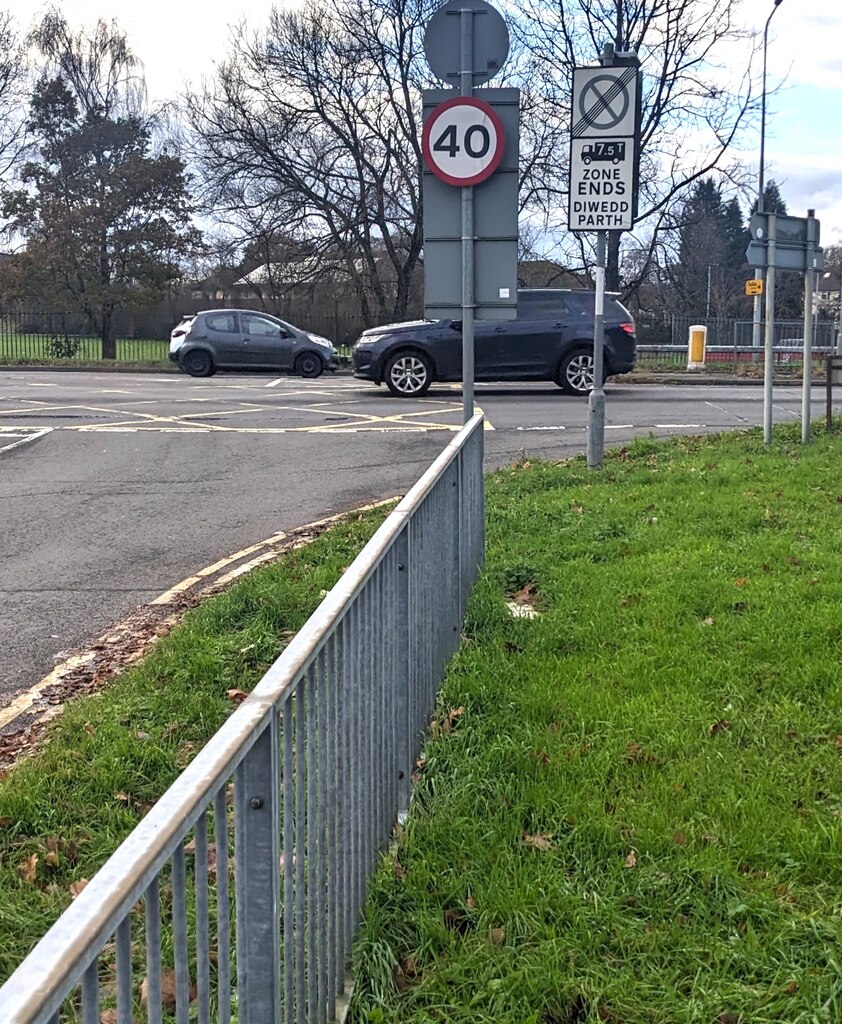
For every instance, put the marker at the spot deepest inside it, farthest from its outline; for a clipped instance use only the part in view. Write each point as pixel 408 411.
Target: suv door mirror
pixel 455 325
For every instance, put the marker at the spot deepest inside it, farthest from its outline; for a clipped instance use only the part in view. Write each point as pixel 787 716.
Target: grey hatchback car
pixel 243 339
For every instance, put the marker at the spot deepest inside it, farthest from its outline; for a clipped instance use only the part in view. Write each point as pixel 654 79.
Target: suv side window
pixel 225 322
pixel 260 328
pixel 542 305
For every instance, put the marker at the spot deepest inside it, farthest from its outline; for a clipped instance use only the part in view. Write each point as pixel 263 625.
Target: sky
pixel 182 40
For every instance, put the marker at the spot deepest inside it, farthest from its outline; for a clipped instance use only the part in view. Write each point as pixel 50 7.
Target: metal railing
pixel 317 763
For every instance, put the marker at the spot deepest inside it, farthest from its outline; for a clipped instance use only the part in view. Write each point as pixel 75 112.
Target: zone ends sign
pixel 463 141
pixel 601 185
pixel 604 135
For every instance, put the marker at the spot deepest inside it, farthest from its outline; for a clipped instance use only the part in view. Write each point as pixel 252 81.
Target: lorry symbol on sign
pixel 613 152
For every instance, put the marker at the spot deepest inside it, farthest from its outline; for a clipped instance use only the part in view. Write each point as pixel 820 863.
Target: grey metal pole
pixel 809 284
pixel 466 88
pixel 596 399
pixel 769 355
pixel 839 332
pixel 761 185
pixel 707 300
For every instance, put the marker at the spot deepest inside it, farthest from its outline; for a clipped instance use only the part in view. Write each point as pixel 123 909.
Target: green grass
pixel 631 808
pixel 110 756
pixel 35 348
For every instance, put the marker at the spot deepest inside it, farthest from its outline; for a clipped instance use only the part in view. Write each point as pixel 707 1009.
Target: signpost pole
pixel 466 86
pixel 769 355
pixel 757 319
pixel 596 399
pixel 809 283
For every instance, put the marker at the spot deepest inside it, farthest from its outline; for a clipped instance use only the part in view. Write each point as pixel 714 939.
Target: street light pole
pixel 761 183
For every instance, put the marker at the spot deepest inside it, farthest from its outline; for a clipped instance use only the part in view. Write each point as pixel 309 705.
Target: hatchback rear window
pixel 225 322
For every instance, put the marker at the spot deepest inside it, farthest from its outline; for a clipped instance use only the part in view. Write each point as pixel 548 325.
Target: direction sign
pixel 604 124
pixel 463 141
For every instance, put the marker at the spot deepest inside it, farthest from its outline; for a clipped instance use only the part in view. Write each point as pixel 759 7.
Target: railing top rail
pixel 36 989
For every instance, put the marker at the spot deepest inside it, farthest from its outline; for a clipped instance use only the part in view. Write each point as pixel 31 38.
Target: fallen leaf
pixel 814 580
pixel 631 860
pixel 794 561
pixel 89 729
pixel 457 920
pixel 679 838
pixel 791 988
pixel 28 868
pixel 471 903
pixel 123 798
pixel 741 582
pixel 5 821
pixel 51 858
pixel 497 936
pixel 168 989
pixel 634 752
pixel 723 725
pixel 541 840
pixel 409 966
pixel 77 887
pixel 728 1018
pixel 541 757
pixel 236 696
pixel 709 621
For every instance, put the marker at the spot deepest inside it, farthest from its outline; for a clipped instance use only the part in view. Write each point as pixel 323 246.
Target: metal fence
pixel 251 915
pixel 729 344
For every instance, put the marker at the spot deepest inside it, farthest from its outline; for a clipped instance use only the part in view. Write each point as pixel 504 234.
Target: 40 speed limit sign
pixel 463 141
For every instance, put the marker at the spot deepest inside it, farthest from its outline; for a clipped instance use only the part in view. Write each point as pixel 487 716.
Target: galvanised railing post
pixel 404 681
pixel 257 858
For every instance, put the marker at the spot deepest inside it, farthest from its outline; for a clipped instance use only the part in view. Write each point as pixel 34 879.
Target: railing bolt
pixel 255 803
pixel 401 567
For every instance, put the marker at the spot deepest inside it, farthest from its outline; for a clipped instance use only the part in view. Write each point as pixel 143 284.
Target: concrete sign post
pixel 604 155
pixel 468 143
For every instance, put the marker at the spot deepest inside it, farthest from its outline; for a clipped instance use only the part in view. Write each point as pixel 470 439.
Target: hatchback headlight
pixel 317 339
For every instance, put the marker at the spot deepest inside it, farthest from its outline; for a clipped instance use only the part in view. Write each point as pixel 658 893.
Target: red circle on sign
pixel 439 118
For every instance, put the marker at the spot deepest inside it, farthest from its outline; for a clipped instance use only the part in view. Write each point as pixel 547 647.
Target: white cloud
pixel 803 41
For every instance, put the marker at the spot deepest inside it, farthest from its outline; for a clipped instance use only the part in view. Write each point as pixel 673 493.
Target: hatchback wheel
pixel 308 364
pixel 575 372
pixel 198 363
pixel 409 374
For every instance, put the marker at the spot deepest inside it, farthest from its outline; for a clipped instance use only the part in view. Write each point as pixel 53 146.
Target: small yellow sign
pixel 754 286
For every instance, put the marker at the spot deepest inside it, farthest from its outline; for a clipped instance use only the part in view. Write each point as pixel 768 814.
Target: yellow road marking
pixel 24 701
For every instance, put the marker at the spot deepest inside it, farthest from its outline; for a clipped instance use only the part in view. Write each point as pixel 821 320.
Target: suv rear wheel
pixel 409 374
pixel 575 372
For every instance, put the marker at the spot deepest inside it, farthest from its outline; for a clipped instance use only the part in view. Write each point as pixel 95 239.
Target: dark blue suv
pixel 551 339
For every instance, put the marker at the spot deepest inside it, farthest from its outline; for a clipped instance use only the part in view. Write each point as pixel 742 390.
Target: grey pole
pixel 809 283
pixel 466 88
pixel 839 332
pixel 769 355
pixel 707 300
pixel 596 399
pixel 761 185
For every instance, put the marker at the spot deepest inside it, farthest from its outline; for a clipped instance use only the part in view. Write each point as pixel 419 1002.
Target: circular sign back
pixel 443 41
pixel 463 141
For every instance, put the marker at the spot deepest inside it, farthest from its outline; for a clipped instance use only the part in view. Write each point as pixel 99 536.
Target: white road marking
pixel 619 426
pixel 24 440
pixel 727 412
pixel 542 428
pixel 274 383
pixel 677 426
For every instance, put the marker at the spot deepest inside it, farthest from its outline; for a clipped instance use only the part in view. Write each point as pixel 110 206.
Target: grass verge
pixel 629 809
pixel 64 810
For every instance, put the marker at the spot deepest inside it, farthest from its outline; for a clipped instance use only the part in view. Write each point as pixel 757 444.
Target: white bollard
pixel 696 347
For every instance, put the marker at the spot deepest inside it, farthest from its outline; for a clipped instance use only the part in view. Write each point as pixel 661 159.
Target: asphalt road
pixel 114 487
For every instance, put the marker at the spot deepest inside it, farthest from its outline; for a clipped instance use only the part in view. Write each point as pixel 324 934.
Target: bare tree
pixel 694 104
pixel 13 95
pixel 311 130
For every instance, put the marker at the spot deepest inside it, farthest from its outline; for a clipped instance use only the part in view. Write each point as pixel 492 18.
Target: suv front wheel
pixel 575 372
pixel 409 374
